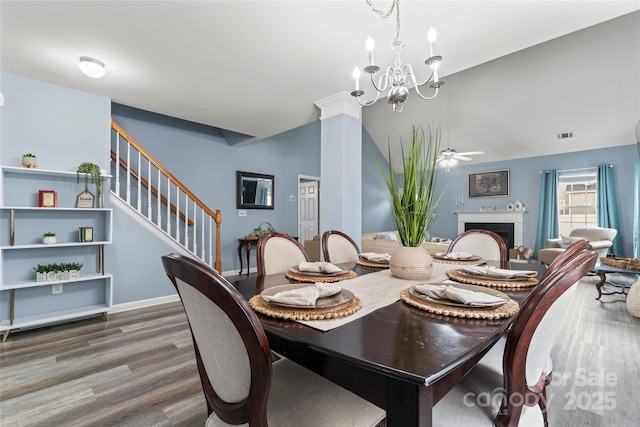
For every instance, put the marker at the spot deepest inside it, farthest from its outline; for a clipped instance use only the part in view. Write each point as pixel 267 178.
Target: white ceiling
pixel 257 67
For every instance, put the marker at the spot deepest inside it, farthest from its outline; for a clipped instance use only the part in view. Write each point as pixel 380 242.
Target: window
pixel 577 200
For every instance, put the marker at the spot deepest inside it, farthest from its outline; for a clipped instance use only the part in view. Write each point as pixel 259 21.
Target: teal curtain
pixel 548 212
pixel 608 206
pixel 636 212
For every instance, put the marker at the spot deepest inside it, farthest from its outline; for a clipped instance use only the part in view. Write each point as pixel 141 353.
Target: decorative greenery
pixel 412 199
pixel 56 268
pixel 261 231
pixel 49 234
pixel 28 155
pixel 90 170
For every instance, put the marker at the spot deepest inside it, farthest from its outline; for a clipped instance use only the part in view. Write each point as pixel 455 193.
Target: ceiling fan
pixel 450 157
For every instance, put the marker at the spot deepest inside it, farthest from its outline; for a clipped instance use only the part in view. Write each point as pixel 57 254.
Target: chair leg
pixel 542 401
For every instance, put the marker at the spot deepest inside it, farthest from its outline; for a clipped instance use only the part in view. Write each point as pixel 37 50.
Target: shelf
pixel 54 316
pixel 34 284
pixel 35 208
pixel 55 245
pixel 13 169
pixel 24 301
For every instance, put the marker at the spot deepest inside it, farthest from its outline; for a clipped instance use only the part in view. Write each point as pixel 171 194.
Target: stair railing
pixel 158 196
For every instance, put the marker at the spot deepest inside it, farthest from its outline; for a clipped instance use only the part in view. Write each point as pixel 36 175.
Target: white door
pixel 307 209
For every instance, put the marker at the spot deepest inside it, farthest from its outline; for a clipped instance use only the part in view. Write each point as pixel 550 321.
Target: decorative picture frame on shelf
pixel 489 184
pixel 85 200
pixel 85 234
pixel 47 199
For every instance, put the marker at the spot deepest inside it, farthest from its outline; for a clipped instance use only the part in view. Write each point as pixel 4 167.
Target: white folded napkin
pixel 464 296
pixel 376 257
pixel 498 273
pixel 304 296
pixel 318 267
pixel 459 255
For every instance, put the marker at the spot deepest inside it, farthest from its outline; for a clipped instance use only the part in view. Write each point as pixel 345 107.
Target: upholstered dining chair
pixel 241 384
pixel 278 252
pixel 337 247
pixel 508 391
pixel 484 243
pixel 493 358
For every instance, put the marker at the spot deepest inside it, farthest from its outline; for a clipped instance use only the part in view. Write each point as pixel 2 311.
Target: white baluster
pixel 139 200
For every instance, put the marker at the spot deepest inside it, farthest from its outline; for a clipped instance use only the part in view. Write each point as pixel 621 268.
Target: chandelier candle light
pixel 398 77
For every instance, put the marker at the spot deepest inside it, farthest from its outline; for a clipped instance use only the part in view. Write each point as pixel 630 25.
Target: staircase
pixel 148 188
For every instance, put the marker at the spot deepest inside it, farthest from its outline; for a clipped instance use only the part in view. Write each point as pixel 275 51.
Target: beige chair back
pixel 483 243
pixel 278 252
pixel 339 248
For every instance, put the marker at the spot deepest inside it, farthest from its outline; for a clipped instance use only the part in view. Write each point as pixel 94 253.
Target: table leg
pixel 600 283
pixel 408 404
pixel 248 258
pixel 240 256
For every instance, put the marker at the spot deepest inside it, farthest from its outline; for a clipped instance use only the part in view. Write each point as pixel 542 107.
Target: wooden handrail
pixel 154 190
pixel 162 169
pixel 216 216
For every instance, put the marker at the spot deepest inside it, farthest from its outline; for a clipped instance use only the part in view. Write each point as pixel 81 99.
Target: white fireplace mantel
pixel 515 217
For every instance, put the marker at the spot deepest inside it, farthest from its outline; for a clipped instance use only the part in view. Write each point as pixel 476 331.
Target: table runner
pixel 375 290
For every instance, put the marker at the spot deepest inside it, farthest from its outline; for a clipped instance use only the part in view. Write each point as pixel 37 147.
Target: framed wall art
pixel 489 184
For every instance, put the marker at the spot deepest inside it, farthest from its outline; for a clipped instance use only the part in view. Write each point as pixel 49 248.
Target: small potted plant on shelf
pixel 90 171
pixel 49 238
pixel 64 271
pixel 29 160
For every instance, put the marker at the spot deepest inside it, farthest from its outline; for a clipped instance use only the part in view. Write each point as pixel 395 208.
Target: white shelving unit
pixel 25 302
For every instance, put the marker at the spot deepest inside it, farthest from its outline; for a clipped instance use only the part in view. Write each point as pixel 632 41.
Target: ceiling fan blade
pixel 463 158
pixel 471 153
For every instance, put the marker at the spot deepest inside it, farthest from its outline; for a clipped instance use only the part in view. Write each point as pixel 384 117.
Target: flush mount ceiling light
pixel 91 67
pixel 398 77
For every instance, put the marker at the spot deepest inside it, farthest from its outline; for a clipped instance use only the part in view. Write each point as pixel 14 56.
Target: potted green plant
pixel 414 203
pixel 49 238
pixel 90 171
pixel 29 160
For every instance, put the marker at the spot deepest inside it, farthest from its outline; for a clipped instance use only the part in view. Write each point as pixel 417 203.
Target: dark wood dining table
pixel 400 358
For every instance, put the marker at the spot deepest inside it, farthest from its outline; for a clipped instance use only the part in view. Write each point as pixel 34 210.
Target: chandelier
pixel 398 77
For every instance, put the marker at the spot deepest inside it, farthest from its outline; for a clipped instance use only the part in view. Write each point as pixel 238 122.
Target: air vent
pixel 565 135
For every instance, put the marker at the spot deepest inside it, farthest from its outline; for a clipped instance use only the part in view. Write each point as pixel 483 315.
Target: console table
pixel 601 270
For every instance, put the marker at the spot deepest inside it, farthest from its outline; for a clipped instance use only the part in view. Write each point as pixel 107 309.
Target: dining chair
pixel 484 243
pixel 278 252
pixel 494 356
pixel 241 384
pixel 508 392
pixel 338 248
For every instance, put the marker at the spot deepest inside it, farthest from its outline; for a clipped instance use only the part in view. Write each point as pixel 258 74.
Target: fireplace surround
pixel 507 224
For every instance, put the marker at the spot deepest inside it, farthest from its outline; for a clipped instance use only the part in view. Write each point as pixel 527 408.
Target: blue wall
pixel 525 186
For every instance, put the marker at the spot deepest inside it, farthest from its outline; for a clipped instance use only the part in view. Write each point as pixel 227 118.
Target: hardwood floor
pixel 138 369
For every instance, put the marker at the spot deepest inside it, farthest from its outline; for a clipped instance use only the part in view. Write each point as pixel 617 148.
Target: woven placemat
pixel 491 282
pixel 325 279
pixel 273 310
pixel 460 261
pixel 365 263
pixel 503 311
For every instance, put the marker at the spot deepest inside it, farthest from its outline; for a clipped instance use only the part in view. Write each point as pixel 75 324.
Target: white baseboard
pixel 144 303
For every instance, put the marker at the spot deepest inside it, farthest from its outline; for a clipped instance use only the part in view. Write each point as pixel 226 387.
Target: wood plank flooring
pixel 138 369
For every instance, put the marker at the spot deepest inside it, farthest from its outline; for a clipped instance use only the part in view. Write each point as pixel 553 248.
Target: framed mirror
pixel 254 190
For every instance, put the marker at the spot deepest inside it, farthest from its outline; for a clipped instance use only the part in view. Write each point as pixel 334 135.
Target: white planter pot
pixel 49 240
pixel 30 162
pixel 411 263
pixel 633 299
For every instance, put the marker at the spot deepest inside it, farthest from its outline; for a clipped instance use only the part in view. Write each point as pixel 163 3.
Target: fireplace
pixel 507 224
pixel 502 229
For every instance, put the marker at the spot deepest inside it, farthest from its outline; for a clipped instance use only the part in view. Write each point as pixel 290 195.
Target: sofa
pixel 600 240
pixel 389 241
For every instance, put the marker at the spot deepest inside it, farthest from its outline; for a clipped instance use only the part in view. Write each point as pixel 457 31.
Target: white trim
pixel 117 308
pixel 340 103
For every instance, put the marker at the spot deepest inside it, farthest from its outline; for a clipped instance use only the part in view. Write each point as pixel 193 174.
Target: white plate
pixel 493 292
pixel 340 298
pixel 317 274
pixel 444 256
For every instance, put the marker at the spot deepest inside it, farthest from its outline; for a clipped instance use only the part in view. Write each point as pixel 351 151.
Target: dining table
pixel 397 356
